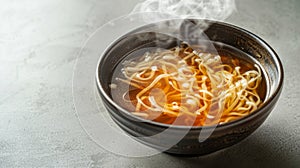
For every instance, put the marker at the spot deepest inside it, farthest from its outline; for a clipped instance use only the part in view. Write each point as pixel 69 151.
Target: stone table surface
pixel 39 41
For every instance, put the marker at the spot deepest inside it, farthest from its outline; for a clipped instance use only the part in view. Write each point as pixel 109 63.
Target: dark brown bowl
pixel 222 136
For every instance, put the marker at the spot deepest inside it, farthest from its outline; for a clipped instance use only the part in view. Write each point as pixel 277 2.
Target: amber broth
pixel 125 95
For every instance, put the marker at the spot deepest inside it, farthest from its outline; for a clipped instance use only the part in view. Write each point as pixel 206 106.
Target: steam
pixel 196 9
pixel 160 10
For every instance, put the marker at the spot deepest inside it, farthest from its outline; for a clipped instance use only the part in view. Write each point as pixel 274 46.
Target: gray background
pixel 39 41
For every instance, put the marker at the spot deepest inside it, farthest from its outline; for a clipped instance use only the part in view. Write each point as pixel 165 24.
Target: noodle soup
pixel 154 88
pixel 187 85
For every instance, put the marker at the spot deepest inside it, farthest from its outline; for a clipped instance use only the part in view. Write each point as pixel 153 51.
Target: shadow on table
pixel 255 151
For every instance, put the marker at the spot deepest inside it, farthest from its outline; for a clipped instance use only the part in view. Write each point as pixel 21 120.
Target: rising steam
pixel 200 9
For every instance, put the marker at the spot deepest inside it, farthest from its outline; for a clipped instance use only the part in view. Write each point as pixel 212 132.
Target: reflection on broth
pixel 189 85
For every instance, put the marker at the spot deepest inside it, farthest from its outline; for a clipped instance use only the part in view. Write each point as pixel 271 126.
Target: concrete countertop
pixel 39 41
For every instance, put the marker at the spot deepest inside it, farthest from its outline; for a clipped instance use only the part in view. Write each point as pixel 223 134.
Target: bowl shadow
pixel 255 151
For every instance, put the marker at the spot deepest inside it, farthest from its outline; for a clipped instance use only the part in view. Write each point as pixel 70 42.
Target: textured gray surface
pixel 39 41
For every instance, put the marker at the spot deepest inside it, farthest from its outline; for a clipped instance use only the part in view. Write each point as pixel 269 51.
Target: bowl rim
pixel 244 119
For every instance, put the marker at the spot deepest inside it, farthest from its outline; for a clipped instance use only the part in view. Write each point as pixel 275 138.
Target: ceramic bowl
pixel 221 136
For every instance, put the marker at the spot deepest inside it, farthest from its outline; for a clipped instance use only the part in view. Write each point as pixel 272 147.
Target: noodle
pixel 197 87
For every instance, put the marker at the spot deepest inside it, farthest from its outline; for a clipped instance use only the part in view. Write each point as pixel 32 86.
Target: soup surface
pixel 188 85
